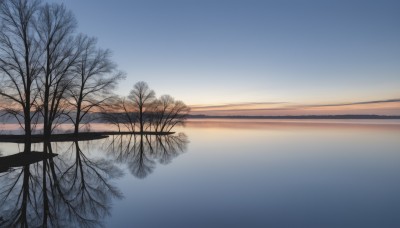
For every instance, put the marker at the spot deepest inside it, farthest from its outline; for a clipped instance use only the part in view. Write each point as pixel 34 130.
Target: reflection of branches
pixel 85 187
pixel 18 197
pixel 140 153
pixel 170 147
pixel 72 191
pixel 141 163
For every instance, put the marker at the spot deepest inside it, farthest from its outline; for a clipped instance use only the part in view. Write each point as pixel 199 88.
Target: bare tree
pixel 45 68
pixel 168 113
pixel 121 113
pixel 159 115
pixel 95 78
pixel 55 28
pixel 142 97
pixel 19 60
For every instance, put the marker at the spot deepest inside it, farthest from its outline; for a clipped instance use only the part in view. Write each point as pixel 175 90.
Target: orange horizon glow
pixel 389 107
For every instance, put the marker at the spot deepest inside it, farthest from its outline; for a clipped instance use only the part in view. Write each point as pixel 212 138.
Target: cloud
pixel 232 105
pixel 252 109
pixel 285 108
pixel 353 103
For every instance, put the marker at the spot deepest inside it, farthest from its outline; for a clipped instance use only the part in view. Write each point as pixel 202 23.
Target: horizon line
pixel 328 116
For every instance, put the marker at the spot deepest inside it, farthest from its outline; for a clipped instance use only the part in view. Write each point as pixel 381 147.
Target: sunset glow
pixel 255 57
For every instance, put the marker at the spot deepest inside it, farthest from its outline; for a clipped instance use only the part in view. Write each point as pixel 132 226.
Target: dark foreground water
pixel 216 173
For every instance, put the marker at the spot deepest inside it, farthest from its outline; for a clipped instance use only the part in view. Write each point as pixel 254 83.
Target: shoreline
pixel 64 137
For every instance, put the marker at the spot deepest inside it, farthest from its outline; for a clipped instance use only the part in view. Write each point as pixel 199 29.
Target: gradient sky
pixel 213 52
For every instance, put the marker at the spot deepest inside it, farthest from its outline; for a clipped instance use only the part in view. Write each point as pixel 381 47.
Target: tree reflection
pixel 20 197
pixel 86 188
pixel 71 190
pixel 141 152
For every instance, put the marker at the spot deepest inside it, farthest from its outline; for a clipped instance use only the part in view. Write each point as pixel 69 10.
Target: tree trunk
pixel 141 119
pixel 46 118
pixel 77 119
pixel 28 131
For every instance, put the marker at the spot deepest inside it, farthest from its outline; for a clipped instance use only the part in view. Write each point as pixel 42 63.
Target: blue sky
pixel 227 51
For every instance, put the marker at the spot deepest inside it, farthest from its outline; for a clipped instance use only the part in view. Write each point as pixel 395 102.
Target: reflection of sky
pixel 262 173
pixel 263 176
pixel 207 52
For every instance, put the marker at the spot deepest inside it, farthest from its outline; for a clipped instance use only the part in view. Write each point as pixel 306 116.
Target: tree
pixel 168 113
pixel 19 60
pixel 95 78
pixel 45 68
pixel 55 28
pixel 159 115
pixel 142 97
pixel 121 113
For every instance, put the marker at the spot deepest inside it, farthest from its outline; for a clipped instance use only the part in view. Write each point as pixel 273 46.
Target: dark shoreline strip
pixel 72 137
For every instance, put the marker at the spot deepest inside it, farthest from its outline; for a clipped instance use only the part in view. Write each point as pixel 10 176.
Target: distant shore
pixel 318 117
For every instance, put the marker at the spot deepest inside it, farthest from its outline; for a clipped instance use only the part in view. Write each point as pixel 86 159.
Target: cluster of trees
pixel 47 70
pixel 51 74
pixel 141 111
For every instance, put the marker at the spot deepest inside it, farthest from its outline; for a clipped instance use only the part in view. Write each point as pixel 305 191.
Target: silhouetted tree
pixel 159 115
pixel 121 113
pixel 46 68
pixel 19 60
pixel 142 97
pixel 55 28
pixel 168 113
pixel 95 78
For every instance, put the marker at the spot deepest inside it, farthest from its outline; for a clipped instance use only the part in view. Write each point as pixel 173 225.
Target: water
pixel 232 173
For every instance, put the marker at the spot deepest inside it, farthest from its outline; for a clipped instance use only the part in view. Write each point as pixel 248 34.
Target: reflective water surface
pixel 214 173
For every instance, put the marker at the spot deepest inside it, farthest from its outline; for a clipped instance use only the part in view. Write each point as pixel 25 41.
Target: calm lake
pixel 220 173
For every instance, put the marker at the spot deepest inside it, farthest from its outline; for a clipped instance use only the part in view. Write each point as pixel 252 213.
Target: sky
pixel 268 57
